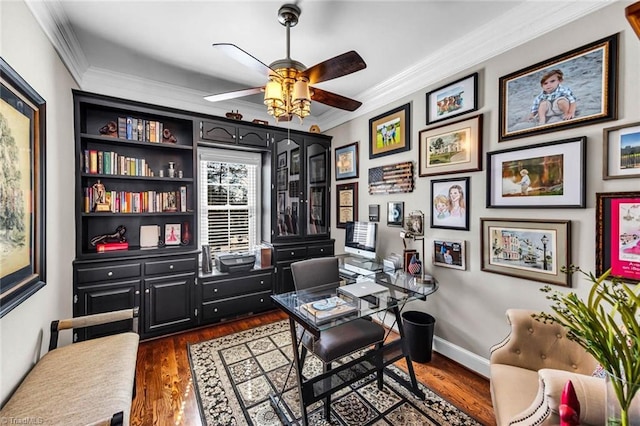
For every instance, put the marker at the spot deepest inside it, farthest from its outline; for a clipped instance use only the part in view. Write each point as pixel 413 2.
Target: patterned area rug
pixel 234 376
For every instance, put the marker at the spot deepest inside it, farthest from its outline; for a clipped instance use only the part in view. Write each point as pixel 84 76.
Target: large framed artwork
pixel 390 133
pixel 347 203
pixel 573 89
pixel 451 148
pixel 347 161
pixel 22 178
pixel 526 248
pixel 546 175
pixel 450 203
pixel 621 152
pixel 618 234
pixel 452 100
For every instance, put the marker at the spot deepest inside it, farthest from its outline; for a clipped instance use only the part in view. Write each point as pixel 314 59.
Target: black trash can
pixel 418 332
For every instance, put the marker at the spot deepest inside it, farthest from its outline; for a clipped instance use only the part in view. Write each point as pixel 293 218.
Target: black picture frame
pixel 318 168
pixel 592 65
pixel 282 179
pixel 450 203
pixel 546 175
pixel 399 119
pixel 282 160
pixel 23 112
pixel 294 162
pixel 453 99
pixel 346 161
pixel 395 213
pixel 346 204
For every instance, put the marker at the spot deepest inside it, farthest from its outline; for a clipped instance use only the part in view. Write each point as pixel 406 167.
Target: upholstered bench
pixel 84 383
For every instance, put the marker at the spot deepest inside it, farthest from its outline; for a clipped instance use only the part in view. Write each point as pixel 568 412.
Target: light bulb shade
pixel 301 91
pixel 273 93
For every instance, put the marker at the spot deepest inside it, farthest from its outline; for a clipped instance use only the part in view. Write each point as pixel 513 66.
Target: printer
pixel 235 262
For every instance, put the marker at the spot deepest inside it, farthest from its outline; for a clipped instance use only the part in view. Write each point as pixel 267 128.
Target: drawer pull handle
pixel 147 291
pixel 215 290
pixel 215 309
pixel 110 273
pixel 261 300
pixel 293 253
pixel 261 281
pixel 321 250
pixel 170 266
pixel 137 291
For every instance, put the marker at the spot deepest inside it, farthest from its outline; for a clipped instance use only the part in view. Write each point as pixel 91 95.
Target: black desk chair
pixel 342 340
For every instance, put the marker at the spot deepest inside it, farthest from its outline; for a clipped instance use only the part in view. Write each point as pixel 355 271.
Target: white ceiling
pixel 160 51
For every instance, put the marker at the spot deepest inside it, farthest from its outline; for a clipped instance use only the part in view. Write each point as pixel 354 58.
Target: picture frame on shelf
pixel 450 254
pixel 282 202
pixel 317 205
pixel 618 235
pixel 450 203
pixel 294 188
pixel 453 99
pixel 390 133
pixel 346 161
pixel 172 235
pixel 23 118
pixel 588 77
pixel 451 148
pixel 294 167
pixel 395 213
pixel 281 179
pixel 527 248
pixel 621 152
pixel 318 168
pixel 346 203
pixel 545 175
pixel 282 160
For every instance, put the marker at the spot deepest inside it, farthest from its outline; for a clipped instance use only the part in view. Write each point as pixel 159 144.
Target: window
pixel 229 199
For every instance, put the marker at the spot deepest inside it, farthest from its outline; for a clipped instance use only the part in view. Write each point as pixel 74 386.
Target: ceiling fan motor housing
pixel 289 14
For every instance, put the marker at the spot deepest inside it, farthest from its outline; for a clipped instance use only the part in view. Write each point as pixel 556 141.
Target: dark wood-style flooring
pixel 165 393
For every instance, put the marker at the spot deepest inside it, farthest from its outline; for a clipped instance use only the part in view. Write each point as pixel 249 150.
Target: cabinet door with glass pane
pixel 317 187
pixel 288 210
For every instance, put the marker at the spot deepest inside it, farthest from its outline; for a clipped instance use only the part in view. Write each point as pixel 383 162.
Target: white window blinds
pixel 229 183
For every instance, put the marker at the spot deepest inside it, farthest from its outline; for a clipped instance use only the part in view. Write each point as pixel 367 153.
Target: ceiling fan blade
pixel 244 57
pixel 233 94
pixel 334 100
pixel 338 66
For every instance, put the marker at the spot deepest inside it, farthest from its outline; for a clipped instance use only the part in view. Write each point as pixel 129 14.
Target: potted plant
pixel 606 326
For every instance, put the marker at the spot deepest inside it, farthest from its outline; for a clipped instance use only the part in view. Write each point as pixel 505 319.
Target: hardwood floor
pixel 165 393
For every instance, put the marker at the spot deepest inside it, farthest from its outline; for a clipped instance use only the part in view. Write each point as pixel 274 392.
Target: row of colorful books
pixel 137 129
pixel 112 163
pixel 139 202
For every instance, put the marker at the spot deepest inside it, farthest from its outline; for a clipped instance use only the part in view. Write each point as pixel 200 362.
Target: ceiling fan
pixel 289 89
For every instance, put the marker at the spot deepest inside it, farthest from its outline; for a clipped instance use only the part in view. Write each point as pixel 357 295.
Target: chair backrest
pixel 315 272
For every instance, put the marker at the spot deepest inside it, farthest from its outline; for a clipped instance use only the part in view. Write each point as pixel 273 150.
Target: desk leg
pixel 407 357
pixel 297 360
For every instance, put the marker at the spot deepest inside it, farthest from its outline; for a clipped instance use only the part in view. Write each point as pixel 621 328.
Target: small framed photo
pixel 526 248
pixel 618 235
pixel 294 188
pixel 395 213
pixel 347 203
pixel 317 206
pixel 450 203
pixel 450 254
pixel 294 164
pixel 281 179
pixel 453 99
pixel 318 168
pixel 621 152
pixel 282 202
pixel 414 223
pixel 573 89
pixel 390 133
pixel 172 234
pixel 546 175
pixel 451 148
pixel 282 160
pixel 347 161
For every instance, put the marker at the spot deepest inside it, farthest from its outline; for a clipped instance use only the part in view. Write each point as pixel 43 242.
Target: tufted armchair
pixel 529 369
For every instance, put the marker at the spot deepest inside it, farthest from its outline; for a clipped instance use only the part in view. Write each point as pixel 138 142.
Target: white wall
pixel 24 332
pixel 469 306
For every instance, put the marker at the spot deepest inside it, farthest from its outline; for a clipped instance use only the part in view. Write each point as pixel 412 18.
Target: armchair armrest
pixel 90 320
pixel 589 390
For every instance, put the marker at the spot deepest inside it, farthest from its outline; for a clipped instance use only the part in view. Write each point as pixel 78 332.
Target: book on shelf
pixel 326 309
pixel 104 247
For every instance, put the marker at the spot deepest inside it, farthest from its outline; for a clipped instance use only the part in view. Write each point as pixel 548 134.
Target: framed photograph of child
pixel 546 175
pixel 452 100
pixel 573 89
pixel 621 159
pixel 450 254
pixel 450 203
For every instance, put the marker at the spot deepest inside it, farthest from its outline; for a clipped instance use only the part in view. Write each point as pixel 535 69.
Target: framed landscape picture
pixel 390 133
pixel 347 161
pixel 450 203
pixel 453 99
pixel 451 148
pixel 546 175
pixel 569 90
pixel 618 234
pixel 621 152
pixel 526 248
pixel 450 254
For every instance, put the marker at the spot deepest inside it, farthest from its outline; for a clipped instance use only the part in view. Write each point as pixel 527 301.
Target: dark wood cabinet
pixel 169 303
pixel 286 254
pixel 220 131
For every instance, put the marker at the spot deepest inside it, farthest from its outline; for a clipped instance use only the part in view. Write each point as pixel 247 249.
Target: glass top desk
pixel 313 311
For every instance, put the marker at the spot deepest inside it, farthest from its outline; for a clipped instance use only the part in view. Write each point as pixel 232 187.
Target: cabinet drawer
pixel 320 250
pixel 253 136
pixel 170 266
pixel 218 132
pixel 291 253
pixel 235 306
pixel 220 289
pixel 87 274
